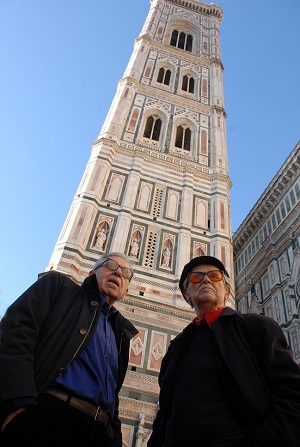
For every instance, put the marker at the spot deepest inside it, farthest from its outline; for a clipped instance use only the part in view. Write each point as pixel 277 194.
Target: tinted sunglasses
pixel 213 275
pixel 113 265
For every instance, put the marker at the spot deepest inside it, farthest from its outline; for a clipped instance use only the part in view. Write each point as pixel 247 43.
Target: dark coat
pixel 44 329
pixel 256 353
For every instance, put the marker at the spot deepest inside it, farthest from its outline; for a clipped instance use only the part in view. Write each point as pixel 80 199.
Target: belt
pixel 86 407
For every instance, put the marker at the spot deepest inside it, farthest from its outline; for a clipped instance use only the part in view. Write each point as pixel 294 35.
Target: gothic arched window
pixel 152 128
pixel 181 40
pixel 183 138
pixel 188 84
pixel 164 76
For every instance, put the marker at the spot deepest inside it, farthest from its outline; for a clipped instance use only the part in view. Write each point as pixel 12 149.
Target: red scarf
pixel 210 317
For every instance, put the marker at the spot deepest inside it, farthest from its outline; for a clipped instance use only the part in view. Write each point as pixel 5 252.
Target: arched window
pixel 183 138
pixel 174 38
pixel 164 76
pixel 152 128
pixel 189 43
pixel 181 40
pixel 188 84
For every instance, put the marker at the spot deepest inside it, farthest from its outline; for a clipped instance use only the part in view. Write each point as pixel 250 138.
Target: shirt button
pixel 83 331
pixel 94 303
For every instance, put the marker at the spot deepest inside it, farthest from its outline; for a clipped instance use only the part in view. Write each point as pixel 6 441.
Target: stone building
pixel 267 253
pixel 156 187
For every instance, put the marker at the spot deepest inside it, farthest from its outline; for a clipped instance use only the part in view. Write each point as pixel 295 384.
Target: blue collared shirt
pixel 93 373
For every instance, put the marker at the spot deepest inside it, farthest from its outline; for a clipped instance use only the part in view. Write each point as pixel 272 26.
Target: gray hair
pixel 109 255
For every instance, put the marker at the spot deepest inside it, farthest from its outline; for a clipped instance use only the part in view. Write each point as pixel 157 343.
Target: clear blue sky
pixel 60 61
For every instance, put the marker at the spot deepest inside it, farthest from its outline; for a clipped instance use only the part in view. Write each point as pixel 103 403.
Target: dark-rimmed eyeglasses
pixel 213 275
pixel 113 265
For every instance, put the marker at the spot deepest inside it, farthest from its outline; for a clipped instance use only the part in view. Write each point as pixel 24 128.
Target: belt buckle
pixel 97 412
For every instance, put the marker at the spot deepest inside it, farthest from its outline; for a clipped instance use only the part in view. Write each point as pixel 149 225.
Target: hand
pixel 11 416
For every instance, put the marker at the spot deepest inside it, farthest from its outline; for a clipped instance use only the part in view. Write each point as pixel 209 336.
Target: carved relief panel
pixel 157 350
pixel 137 348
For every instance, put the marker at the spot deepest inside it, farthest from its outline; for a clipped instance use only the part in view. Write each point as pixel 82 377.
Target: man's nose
pixel 118 272
pixel 205 278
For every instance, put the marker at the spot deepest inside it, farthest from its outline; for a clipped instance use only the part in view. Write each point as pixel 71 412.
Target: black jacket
pixel 45 328
pixel 256 353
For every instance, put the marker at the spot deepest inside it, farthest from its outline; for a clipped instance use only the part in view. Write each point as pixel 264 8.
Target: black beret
pixel 200 260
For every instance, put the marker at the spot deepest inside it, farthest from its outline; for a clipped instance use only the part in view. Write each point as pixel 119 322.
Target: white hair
pixel 109 255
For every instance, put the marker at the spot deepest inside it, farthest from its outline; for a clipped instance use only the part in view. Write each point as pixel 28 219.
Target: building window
pixel 152 128
pixel 287 204
pixel 282 208
pixel 188 84
pixel 278 216
pixel 164 76
pixel 293 198
pixel 256 243
pixel 265 232
pixel 183 138
pixel 297 189
pixel 181 40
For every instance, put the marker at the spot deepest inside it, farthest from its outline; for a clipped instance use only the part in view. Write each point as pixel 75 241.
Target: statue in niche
pixel 101 238
pixel 166 257
pixel 142 419
pixel 134 248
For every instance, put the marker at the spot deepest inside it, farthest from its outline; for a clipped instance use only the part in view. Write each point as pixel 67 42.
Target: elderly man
pixel 228 380
pixel 63 358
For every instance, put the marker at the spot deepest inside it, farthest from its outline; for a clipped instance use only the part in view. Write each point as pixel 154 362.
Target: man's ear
pixel 227 293
pixel 186 294
pixel 91 272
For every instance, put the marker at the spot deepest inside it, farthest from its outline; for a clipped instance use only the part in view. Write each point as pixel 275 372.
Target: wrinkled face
pixel 112 283
pixel 207 294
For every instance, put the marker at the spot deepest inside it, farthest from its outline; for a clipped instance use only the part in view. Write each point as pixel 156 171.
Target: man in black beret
pixel 229 379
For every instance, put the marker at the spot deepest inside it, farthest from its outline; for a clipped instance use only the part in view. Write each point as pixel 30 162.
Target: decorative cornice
pixel 211 9
pixel 178 163
pixel 159 308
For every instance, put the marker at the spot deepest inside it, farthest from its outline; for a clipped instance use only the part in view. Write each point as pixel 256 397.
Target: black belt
pixel 86 407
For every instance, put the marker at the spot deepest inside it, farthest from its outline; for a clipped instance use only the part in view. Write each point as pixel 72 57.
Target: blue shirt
pixel 93 373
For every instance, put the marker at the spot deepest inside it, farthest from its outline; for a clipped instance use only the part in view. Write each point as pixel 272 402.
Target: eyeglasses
pixel 113 265
pixel 213 275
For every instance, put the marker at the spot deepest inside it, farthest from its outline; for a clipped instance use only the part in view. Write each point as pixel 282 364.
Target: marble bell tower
pixel 156 187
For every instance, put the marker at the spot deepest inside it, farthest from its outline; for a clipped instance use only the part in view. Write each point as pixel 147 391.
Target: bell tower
pixel 156 187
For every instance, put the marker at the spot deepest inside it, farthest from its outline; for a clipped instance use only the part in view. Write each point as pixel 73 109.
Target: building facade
pixel 267 253
pixel 156 187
